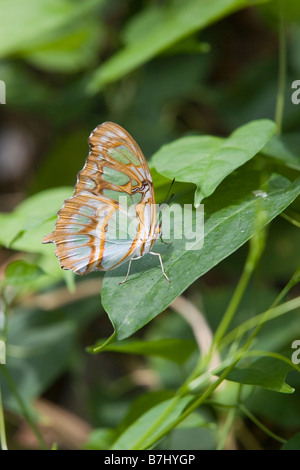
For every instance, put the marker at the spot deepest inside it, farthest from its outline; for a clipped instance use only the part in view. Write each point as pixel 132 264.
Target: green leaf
pixel 68 50
pixel 40 345
pixel 284 149
pixel 24 228
pixel 156 29
pixel 173 349
pixel 18 273
pixel 262 318
pixel 293 443
pixel 266 372
pixel 207 160
pixel 291 11
pixel 99 439
pixel 230 220
pixel 132 436
pixel 141 405
pixel 49 17
pixel 38 350
pixel 144 403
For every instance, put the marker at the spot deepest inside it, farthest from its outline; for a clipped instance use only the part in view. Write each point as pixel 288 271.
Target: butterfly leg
pixel 128 270
pixel 161 263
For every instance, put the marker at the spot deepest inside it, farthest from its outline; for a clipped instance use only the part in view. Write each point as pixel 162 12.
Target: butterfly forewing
pixel 112 208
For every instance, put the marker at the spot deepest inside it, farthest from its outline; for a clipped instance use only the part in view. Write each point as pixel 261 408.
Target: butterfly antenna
pixel 171 185
pixel 165 201
pixel 171 197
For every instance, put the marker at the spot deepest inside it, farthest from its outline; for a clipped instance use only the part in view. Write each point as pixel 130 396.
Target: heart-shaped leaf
pixel 207 160
pixel 230 220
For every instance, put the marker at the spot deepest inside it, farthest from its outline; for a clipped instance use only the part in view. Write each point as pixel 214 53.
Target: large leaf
pixel 159 27
pixel 231 219
pixel 207 160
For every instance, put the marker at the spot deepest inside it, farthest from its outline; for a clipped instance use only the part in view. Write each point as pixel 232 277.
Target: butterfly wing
pixel 90 233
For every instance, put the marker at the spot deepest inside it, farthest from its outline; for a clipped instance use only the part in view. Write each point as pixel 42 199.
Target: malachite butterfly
pixel 95 231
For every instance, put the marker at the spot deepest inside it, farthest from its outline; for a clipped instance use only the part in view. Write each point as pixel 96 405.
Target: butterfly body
pixel 111 217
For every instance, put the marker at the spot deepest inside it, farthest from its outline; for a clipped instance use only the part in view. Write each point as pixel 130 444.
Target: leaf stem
pixel 294 280
pixel 290 219
pixel 193 406
pixel 235 300
pixel 155 425
pixel 231 414
pixel 2 426
pixel 260 424
pixel 295 303
pixel 259 320
pixel 4 322
pixel 23 406
pixel 257 243
pixel 256 248
pixel 227 427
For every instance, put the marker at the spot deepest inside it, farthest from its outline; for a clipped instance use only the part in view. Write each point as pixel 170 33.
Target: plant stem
pixel 235 300
pixel 156 424
pixel 193 406
pixel 231 414
pixel 144 444
pixel 290 219
pixel 281 70
pixel 294 279
pixel 257 244
pixel 24 408
pixel 226 429
pixel 10 382
pixel 260 425
pixel 255 251
pixel 3 335
pixel 2 426
pixel 3 330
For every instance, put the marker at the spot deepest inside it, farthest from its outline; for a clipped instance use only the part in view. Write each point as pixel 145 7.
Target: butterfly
pixel 95 231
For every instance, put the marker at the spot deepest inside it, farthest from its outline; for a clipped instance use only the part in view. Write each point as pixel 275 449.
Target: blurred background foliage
pixel 162 69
